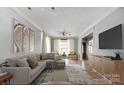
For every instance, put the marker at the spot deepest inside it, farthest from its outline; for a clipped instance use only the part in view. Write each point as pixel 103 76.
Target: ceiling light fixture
pixel 64 33
pixel 29 8
pixel 53 8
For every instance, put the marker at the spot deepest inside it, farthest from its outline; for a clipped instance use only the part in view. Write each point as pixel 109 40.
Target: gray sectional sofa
pixel 24 74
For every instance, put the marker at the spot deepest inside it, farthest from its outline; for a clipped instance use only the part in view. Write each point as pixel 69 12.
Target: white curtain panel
pixel 48 44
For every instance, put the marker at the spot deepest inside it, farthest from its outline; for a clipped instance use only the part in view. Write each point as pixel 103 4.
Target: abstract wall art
pixel 18 28
pixel 23 38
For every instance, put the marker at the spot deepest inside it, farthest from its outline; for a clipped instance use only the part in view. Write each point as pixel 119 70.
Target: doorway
pixel 84 54
pixel 87 46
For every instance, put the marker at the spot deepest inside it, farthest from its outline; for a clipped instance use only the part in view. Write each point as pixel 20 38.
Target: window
pixel 41 41
pixel 48 44
pixel 64 46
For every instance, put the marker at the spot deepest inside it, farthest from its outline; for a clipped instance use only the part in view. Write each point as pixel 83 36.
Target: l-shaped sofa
pixel 23 73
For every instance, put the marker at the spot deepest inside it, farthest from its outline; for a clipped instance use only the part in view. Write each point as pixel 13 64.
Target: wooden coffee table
pixel 5 78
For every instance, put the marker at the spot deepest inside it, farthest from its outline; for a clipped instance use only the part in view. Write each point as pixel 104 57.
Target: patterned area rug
pixel 44 77
pixel 77 75
pixel 72 73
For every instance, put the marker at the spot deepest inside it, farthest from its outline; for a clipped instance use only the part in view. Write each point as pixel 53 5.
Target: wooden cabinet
pixel 111 69
pixel 72 57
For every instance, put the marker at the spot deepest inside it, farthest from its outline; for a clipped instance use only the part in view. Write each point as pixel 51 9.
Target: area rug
pixel 44 77
pixel 48 75
pixel 77 75
pixel 72 73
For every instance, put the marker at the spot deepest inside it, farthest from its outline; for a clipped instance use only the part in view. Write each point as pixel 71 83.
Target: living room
pixel 75 45
pixel 58 46
pixel 14 42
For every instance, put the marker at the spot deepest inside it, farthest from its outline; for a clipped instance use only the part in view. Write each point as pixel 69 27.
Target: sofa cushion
pixel 60 61
pixel 44 56
pixel 47 56
pixel 34 57
pixel 22 63
pixel 42 63
pixel 35 71
pixel 32 62
pixel 38 57
pixel 49 60
pixel 51 55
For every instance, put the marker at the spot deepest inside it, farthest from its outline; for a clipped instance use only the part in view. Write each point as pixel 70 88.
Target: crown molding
pixel 99 20
pixel 26 18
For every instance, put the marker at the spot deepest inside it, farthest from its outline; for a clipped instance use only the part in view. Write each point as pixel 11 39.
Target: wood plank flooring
pixel 85 66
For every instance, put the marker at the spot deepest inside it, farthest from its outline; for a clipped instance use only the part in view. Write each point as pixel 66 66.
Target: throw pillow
pixel 32 62
pixel 44 56
pixel 33 57
pixel 22 63
pixel 51 56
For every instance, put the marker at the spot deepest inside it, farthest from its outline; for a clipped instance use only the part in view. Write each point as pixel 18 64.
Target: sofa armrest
pixel 21 75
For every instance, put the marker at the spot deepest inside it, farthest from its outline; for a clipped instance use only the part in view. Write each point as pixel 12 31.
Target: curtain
pixel 48 44
pixel 44 43
pixel 41 35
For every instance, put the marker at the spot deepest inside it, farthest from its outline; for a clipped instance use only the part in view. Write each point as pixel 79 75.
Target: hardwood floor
pixel 68 61
pixel 61 74
pixel 100 67
pixel 85 66
pixel 93 73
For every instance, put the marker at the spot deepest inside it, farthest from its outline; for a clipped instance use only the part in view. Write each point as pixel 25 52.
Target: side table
pixel 5 78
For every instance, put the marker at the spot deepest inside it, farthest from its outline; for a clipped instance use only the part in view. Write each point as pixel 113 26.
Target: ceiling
pixel 73 20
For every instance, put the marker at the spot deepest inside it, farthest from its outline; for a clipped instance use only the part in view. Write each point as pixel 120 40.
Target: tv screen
pixel 111 39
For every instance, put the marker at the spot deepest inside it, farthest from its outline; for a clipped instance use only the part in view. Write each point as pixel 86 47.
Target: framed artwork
pixel 18 28
pixel 24 38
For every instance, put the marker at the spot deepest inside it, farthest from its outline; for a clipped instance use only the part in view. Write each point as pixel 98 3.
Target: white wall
pixel 7 17
pixel 112 20
pixel 73 44
pixel 80 50
pixel 116 18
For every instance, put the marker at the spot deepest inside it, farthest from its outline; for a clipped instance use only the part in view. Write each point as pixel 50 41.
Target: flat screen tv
pixel 111 38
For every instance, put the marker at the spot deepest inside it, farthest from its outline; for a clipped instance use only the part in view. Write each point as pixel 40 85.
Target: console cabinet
pixel 111 69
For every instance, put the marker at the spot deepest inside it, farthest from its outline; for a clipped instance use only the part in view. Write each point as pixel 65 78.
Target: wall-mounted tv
pixel 111 38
